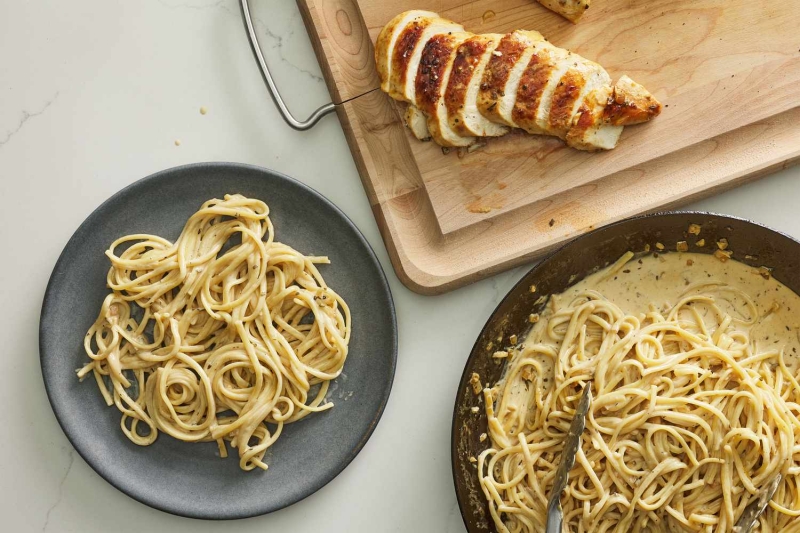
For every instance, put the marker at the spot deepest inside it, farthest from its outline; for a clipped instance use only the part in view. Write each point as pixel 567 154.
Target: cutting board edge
pixel 410 230
pixel 421 282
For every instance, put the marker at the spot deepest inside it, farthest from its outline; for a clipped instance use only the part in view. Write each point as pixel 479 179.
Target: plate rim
pixel 167 174
pixel 464 506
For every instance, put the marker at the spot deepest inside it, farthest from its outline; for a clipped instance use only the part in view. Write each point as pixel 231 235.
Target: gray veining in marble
pixel 93 94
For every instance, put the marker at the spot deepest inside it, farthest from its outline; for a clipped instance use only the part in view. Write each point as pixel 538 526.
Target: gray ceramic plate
pixel 190 479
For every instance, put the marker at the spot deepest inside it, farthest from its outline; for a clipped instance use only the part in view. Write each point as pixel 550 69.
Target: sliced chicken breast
pixel 461 95
pixel 572 10
pixel 461 86
pixel 498 90
pixel 387 40
pixel 435 67
pixel 407 53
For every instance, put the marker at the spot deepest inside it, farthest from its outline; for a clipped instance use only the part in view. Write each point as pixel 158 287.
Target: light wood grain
pixel 730 76
pixel 342 43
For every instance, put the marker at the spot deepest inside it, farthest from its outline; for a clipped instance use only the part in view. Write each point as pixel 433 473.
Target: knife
pixel 555 515
pixel 754 509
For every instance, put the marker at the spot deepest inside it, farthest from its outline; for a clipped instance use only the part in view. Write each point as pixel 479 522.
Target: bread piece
pixel 435 66
pixel 462 90
pixel 498 89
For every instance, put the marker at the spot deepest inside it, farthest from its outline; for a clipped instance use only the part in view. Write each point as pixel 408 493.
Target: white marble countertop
pixel 93 96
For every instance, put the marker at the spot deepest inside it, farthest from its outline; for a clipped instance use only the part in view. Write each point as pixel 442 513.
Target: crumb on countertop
pixel 203 110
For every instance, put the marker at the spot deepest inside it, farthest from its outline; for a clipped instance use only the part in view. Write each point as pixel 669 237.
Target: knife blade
pixel 555 515
pixel 754 509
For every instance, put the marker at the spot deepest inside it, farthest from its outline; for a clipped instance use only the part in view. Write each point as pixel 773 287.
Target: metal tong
pixel 755 508
pixel 555 515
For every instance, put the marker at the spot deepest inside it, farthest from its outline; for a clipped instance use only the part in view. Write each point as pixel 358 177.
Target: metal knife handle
pixel 300 125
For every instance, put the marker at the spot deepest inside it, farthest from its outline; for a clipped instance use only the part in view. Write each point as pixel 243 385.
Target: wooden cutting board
pixel 728 74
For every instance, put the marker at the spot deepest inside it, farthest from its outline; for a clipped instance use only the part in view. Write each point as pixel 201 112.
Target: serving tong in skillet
pixel 555 515
pixel 755 508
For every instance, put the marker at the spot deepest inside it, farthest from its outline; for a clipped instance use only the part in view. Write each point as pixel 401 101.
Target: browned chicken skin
pixel 461 86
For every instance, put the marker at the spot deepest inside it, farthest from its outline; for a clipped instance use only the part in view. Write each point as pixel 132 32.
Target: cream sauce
pixel 661 280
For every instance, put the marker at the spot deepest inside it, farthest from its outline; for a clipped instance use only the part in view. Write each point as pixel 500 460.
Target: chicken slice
pixel 407 53
pixel 589 131
pixel 630 103
pixel 387 40
pixel 569 9
pixel 498 89
pixel 537 83
pixel 435 66
pixel 602 116
pixel 417 122
pixel 581 79
pixel 461 94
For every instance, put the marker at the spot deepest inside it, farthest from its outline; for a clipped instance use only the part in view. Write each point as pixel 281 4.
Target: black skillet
pixel 751 244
